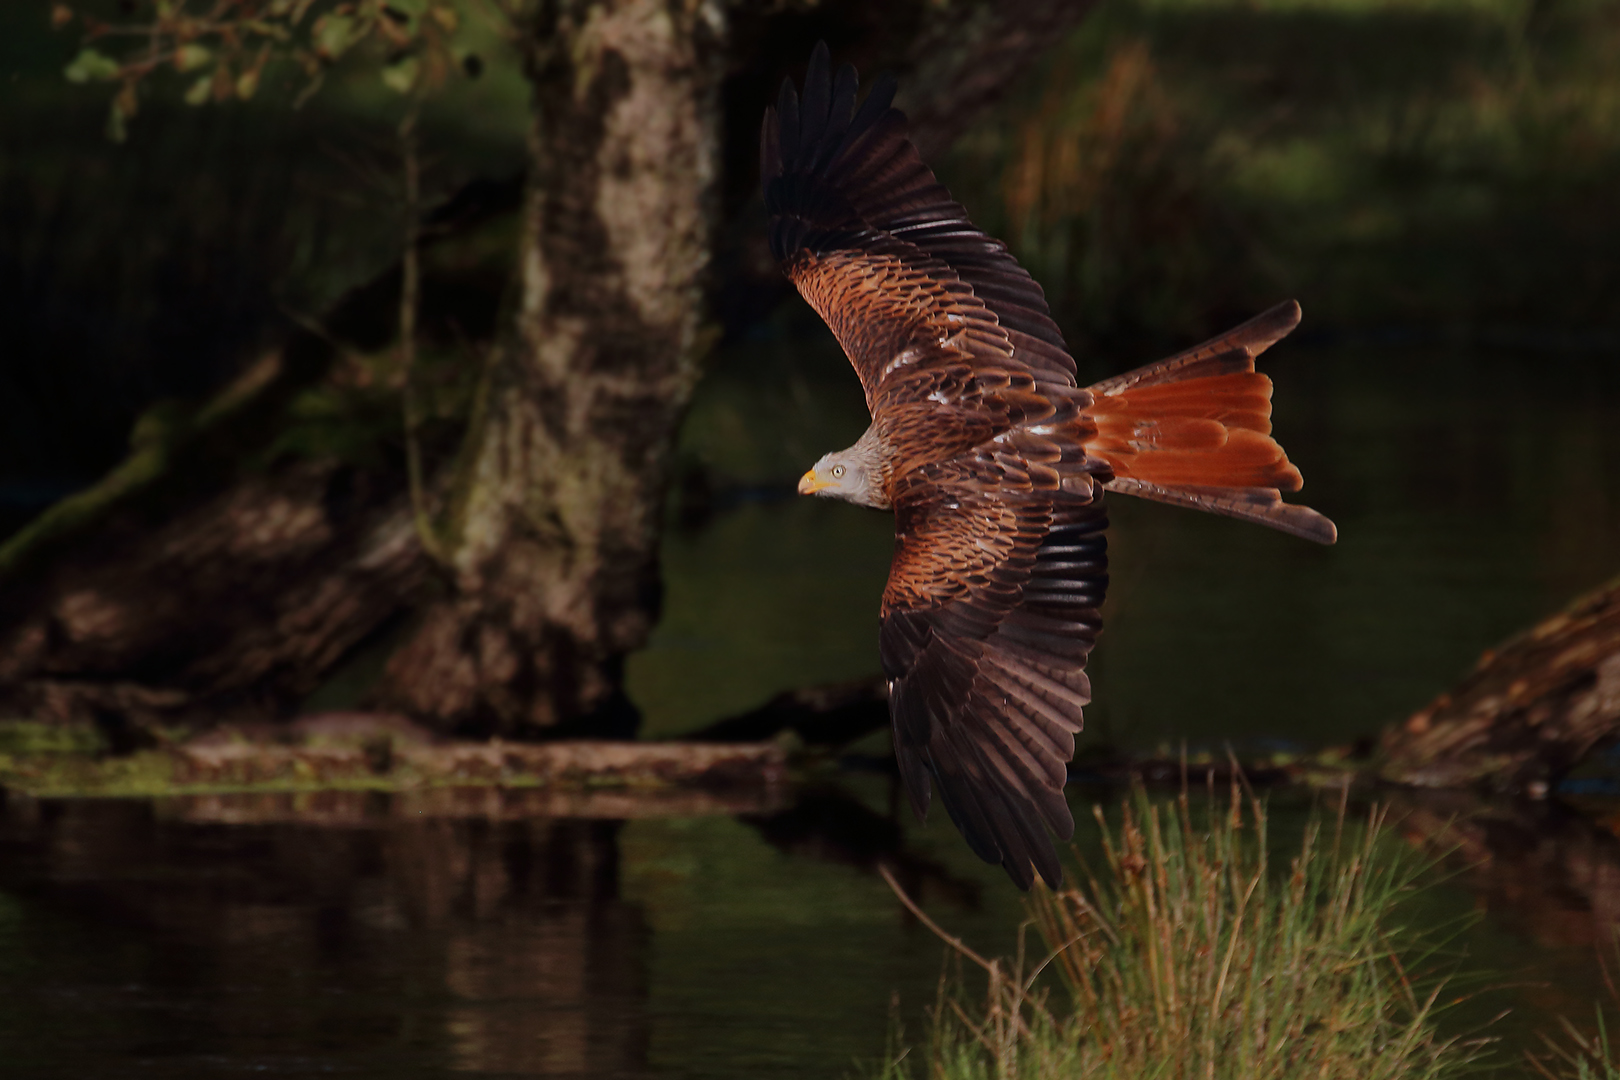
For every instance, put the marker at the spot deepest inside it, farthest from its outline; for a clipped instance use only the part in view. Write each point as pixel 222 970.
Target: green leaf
pixel 334 34
pixel 200 90
pixel 401 77
pixel 191 57
pixel 273 31
pixel 89 65
pixel 247 84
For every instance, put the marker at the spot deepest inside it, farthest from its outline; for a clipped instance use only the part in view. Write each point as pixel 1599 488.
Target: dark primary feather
pixel 1234 350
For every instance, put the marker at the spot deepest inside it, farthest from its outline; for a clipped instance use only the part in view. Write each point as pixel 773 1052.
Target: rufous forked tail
pixel 1195 430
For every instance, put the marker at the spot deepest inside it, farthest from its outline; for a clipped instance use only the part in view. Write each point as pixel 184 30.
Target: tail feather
pixel 1234 350
pixel 1240 399
pixel 1195 430
pixel 1263 506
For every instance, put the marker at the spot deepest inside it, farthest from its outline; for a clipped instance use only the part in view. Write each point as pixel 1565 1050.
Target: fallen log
pixel 359 809
pixel 1527 714
pixel 379 752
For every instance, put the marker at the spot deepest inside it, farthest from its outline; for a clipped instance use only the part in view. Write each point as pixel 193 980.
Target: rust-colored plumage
pixel 992 458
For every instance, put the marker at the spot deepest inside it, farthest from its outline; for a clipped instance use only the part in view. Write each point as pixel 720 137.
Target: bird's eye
pixel 838 471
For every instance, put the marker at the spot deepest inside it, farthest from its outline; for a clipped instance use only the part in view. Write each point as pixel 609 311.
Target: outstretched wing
pixel 929 309
pixel 988 618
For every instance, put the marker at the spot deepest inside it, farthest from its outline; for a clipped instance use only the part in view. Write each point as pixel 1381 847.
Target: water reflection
pixel 472 933
pixel 1542 884
pixel 1544 871
pixel 475 944
pixel 467 931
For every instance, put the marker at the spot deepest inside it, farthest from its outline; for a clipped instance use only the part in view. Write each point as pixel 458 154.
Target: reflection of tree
pixel 1541 866
pixel 512 931
pixel 542 930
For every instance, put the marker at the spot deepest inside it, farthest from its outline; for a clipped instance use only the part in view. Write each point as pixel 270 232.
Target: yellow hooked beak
pixel 809 484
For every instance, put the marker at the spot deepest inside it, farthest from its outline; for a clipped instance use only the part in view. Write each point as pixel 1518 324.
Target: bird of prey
pixel 992 458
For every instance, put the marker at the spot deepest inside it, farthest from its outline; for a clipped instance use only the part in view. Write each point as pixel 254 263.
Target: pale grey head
pixel 855 474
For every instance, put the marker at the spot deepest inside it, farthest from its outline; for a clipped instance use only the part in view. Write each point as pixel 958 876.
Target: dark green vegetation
pixel 230 222
pixel 1427 171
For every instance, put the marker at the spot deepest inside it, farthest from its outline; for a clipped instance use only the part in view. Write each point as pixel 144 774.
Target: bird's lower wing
pixel 989 616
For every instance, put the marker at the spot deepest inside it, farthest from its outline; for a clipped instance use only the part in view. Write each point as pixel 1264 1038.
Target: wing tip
pixel 816 125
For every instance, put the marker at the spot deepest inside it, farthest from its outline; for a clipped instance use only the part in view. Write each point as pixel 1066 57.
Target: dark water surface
pixel 465 933
pixel 376 936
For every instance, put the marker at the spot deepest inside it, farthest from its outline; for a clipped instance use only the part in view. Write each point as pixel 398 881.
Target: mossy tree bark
pixel 554 555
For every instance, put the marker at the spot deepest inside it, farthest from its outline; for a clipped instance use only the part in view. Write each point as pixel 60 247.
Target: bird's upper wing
pixel 926 306
pixel 988 618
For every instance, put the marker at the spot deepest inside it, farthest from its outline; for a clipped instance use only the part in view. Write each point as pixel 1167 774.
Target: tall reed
pixel 1187 954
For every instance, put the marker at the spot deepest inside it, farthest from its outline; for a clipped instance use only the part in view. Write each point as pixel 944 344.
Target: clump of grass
pixel 1577 1055
pixel 1187 954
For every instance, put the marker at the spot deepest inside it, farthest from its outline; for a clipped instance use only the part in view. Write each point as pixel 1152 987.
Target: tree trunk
pixel 555 558
pixel 1529 712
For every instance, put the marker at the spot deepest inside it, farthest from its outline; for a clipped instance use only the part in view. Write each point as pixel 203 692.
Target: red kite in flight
pixel 993 460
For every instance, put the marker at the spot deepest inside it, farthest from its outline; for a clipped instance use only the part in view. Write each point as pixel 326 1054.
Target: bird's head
pixel 844 475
